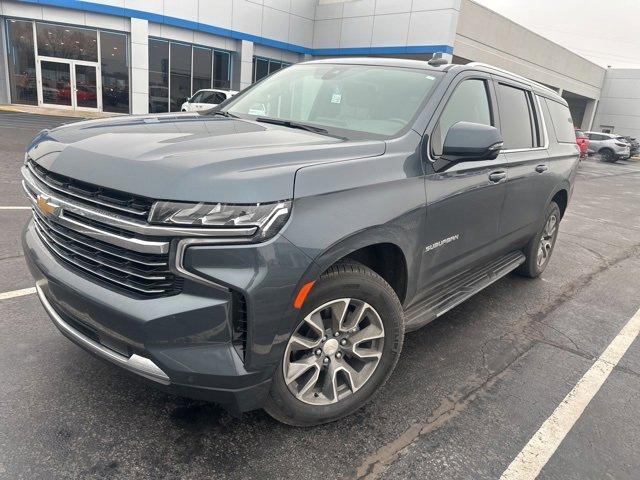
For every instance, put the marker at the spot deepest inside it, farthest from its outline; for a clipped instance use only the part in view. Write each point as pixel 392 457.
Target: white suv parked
pixel 610 147
pixel 205 99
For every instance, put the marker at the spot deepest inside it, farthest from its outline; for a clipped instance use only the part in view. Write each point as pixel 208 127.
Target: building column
pixel 4 66
pixel 589 115
pixel 139 66
pixel 243 68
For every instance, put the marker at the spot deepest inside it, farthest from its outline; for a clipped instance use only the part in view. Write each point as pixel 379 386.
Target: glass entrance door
pixel 56 83
pixel 86 90
pixel 69 84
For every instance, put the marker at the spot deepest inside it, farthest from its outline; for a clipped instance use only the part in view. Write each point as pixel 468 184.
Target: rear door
pixel 596 141
pixel 525 152
pixel 464 202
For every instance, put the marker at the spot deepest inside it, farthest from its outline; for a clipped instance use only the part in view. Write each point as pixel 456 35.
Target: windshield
pixel 365 101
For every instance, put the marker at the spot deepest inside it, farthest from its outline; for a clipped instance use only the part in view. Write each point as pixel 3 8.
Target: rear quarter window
pixel 562 122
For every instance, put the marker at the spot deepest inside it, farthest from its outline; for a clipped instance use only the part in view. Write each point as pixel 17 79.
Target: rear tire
pixel 539 249
pixel 328 371
pixel 607 155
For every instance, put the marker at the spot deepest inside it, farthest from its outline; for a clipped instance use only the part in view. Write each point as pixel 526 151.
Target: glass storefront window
pixel 173 79
pixel 22 63
pixel 180 81
pixel 201 68
pixel 114 62
pixel 58 55
pixel 158 76
pixel 265 66
pixel 67 42
pixel 260 68
pixel 221 69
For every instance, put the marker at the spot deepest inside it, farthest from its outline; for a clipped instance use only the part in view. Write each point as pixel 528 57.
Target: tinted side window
pixel 197 98
pixel 515 117
pixel 562 122
pixel 468 103
pixel 214 97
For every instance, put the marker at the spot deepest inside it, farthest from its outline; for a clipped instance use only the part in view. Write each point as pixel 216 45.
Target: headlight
pixel 268 217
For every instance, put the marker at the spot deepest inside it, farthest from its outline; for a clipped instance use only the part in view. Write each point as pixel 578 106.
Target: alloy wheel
pixel 547 239
pixel 334 351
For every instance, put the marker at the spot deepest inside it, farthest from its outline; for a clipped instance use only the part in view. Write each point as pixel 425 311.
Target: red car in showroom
pixel 583 142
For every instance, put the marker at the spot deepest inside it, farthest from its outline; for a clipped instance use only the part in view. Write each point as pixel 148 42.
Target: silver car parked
pixel 609 146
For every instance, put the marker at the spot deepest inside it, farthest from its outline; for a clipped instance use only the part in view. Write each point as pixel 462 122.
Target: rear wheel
pixel 607 155
pixel 343 349
pixel 539 249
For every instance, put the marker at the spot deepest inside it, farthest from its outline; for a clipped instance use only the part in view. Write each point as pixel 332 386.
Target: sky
pixel 607 32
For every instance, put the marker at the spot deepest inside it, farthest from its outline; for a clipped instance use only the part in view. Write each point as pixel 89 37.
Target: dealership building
pixel 139 56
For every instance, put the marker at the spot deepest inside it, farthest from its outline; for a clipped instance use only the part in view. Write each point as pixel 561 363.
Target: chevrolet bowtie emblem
pixel 46 207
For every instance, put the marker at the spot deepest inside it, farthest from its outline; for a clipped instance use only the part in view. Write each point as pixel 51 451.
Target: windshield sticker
pixel 336 98
pixel 258 109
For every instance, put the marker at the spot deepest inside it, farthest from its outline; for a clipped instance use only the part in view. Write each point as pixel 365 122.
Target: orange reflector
pixel 302 295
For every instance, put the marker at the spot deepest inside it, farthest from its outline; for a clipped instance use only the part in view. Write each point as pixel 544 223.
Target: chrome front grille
pixel 109 254
pixel 139 273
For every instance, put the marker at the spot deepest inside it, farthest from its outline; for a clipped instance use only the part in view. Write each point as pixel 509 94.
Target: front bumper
pixel 182 343
pixel 623 152
pixel 134 363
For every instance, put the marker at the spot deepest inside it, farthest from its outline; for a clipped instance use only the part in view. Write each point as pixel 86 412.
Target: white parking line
pixel 535 455
pixel 17 293
pixel 15 208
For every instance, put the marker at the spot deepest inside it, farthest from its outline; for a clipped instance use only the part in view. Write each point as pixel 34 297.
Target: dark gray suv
pixel 272 252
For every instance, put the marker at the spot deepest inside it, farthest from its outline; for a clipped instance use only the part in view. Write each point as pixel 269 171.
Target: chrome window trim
pixel 142 228
pixel 138 364
pixel 515 150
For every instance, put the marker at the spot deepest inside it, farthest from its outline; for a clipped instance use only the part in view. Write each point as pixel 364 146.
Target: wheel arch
pixel 383 253
pixel 561 197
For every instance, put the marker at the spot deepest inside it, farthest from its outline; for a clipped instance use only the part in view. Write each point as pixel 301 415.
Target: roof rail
pixel 515 75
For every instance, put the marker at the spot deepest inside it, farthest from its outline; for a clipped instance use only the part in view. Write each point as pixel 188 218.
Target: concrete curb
pixel 54 112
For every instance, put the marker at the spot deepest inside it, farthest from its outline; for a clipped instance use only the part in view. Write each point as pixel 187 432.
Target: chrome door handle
pixel 541 168
pixel 497 177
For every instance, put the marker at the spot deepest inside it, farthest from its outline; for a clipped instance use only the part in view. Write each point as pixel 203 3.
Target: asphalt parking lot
pixel 469 393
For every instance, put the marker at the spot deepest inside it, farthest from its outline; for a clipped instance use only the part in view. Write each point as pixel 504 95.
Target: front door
pixel 70 84
pixel 464 202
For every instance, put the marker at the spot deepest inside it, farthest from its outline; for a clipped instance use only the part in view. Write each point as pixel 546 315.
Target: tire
pixel 533 267
pixel 607 155
pixel 364 292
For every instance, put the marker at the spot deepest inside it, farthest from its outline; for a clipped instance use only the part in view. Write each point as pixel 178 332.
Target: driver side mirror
pixel 466 142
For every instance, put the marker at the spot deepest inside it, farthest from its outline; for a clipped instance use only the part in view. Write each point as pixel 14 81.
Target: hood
pixel 191 157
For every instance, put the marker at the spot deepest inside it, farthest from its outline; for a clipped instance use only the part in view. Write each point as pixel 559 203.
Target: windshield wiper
pixel 223 113
pixel 300 126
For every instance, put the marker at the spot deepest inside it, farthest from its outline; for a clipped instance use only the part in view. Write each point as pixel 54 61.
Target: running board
pixel 443 297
